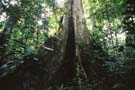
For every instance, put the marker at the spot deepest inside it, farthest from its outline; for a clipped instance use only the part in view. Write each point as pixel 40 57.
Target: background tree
pixel 129 28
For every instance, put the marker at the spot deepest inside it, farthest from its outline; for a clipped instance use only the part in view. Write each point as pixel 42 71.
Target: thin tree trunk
pixel 129 26
pixel 11 22
pixel 5 36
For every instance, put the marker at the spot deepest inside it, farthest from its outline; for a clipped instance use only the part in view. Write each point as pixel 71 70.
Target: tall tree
pixel 73 54
pixel 22 16
pixel 129 27
pixel 12 20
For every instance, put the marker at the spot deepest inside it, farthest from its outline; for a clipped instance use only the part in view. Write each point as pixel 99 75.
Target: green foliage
pixel 51 3
pixel 61 87
pixel 31 25
pixel 104 20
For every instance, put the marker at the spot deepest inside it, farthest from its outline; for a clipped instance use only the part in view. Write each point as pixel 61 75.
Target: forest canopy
pixel 35 21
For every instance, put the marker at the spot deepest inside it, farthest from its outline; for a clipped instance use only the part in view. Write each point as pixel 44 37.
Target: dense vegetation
pixel 30 28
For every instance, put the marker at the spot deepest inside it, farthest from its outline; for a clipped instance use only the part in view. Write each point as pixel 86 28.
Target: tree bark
pixel 73 54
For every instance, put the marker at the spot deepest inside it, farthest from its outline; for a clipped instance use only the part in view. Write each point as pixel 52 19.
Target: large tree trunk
pixel 69 58
pixel 72 55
